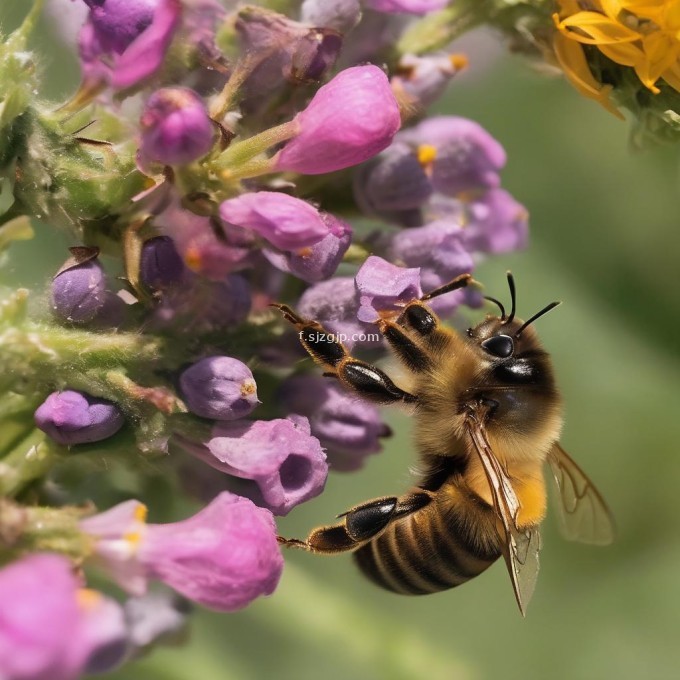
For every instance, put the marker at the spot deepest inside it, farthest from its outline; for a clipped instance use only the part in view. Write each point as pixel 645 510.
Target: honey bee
pixel 487 417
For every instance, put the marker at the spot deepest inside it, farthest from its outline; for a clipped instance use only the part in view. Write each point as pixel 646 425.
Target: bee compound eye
pixel 499 345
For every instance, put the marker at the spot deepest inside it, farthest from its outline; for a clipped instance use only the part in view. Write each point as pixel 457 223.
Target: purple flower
pixel 461 155
pixel 335 304
pixel 160 265
pixel 497 223
pixel 318 262
pixel 348 427
pixel 103 631
pixel 439 249
pixel 287 463
pixel 294 51
pixel 223 557
pixel 384 287
pixel 156 617
pixel 285 221
pixel 208 248
pixel 71 417
pixel 204 306
pixel 424 78
pixel 393 182
pixel 49 629
pixel 125 42
pixel 333 137
pixel 176 128
pixel 219 387
pixel 340 15
pixel 79 292
pixel 406 6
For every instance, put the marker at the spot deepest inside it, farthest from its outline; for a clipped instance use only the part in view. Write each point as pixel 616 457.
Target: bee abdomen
pixel 424 553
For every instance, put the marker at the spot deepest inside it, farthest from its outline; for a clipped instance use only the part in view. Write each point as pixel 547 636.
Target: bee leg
pixel 320 344
pixel 459 282
pixel 360 524
pixel 365 379
pixel 409 352
pixel 371 383
pixel 418 317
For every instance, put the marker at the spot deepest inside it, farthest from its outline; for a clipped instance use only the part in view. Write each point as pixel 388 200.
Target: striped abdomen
pixel 441 546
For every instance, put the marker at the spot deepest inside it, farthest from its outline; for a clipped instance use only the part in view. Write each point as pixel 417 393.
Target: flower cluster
pixel 228 187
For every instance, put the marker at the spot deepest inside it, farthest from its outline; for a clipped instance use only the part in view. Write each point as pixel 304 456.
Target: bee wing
pixel 583 513
pixel 520 547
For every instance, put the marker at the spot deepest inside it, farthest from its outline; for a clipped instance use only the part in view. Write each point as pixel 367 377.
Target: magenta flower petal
pixel 223 557
pixel 281 456
pixel 176 128
pixel 38 617
pixel 318 262
pixel 145 55
pixel 383 287
pixel 348 121
pixel 285 221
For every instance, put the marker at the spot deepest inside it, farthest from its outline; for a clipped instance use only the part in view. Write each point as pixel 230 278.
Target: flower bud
pixel 383 286
pixel 287 463
pixel 318 262
pixel 176 128
pixel 333 137
pixel 125 42
pixel 160 265
pixel 71 417
pixel 340 15
pixel 156 617
pixel 347 426
pixel 223 557
pixel 286 222
pixel 219 387
pixel 406 6
pixel 79 292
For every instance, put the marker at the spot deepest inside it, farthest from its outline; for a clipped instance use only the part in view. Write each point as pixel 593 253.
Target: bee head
pixel 499 336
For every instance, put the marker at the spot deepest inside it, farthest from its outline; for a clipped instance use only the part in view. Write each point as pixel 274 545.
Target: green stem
pixel 242 152
pixel 29 460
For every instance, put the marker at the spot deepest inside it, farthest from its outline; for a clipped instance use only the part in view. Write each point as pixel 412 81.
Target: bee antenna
pixel 497 302
pixel 513 296
pixel 545 310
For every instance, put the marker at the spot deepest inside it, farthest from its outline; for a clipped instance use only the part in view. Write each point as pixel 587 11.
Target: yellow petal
pixel 626 54
pixel 661 52
pixel 573 62
pixel 672 76
pixel 593 28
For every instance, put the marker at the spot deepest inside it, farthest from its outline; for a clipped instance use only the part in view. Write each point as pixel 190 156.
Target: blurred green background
pixel 605 224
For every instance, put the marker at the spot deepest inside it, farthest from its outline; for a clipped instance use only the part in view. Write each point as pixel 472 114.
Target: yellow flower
pixel 641 34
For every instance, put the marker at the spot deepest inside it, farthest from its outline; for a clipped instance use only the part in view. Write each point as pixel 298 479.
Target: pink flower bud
pixel 348 121
pixel 176 128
